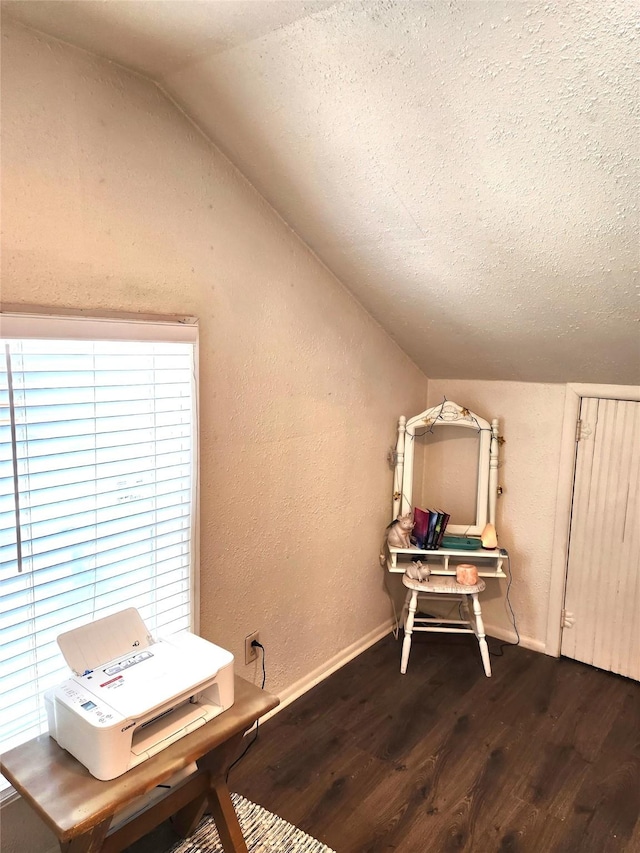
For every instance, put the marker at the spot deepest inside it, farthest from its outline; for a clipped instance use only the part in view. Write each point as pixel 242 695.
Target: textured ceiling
pixel 469 170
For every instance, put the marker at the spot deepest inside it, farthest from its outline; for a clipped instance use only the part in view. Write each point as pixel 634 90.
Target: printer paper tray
pixel 153 736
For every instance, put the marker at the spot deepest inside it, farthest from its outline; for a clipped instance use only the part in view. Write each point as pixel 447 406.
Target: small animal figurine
pixel 397 535
pixel 417 571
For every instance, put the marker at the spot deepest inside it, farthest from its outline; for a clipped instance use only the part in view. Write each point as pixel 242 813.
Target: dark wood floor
pixel 544 757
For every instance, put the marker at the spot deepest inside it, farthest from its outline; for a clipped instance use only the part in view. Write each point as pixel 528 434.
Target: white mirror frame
pixel 450 414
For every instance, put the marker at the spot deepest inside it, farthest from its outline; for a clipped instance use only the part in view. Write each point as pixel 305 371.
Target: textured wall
pixel 112 200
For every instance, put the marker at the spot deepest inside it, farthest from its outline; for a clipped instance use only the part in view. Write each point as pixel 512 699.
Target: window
pixel 97 491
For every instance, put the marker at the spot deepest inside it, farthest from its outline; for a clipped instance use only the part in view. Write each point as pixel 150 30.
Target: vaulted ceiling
pixel 467 168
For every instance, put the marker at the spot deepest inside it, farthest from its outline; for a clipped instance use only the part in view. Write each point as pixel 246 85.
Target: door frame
pixel 564 498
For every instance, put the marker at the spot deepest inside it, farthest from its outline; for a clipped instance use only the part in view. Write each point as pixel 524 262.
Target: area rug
pixel 263 833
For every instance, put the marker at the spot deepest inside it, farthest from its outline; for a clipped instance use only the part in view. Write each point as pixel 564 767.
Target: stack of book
pixel 429 528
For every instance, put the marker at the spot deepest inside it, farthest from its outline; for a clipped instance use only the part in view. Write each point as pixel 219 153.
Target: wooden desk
pixel 79 808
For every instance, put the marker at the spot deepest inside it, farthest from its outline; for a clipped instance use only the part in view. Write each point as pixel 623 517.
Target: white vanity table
pixel 443 561
pixel 409 468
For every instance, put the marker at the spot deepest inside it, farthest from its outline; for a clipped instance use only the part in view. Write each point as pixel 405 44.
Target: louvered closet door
pixel 603 574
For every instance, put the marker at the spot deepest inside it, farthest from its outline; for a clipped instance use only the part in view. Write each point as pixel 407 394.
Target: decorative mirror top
pixel 449 413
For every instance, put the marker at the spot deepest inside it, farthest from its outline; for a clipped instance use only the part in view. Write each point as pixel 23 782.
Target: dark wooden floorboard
pixel 544 757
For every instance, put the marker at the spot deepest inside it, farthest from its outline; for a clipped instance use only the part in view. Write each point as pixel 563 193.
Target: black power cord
pixel 503 645
pixel 257 645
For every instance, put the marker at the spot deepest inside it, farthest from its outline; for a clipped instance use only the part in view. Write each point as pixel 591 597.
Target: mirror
pixel 446 459
pixel 445 472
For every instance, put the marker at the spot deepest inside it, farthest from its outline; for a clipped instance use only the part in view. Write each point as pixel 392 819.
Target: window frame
pixel 42 325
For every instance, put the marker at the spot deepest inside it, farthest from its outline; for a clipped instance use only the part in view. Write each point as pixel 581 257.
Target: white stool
pixel 447 588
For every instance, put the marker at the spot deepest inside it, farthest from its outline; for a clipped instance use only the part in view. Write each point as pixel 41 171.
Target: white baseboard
pixel 510 636
pixel 298 688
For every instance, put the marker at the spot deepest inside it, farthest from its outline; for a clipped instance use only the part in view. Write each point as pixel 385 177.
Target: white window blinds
pixel 97 472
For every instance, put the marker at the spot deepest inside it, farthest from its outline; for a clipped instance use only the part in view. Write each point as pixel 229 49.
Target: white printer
pixel 130 695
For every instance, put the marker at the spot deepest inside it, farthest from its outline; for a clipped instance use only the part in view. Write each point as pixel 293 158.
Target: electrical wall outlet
pixel 251 652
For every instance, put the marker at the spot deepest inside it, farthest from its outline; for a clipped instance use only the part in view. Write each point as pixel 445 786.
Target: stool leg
pixel 405 608
pixel 484 648
pixel 408 630
pixel 465 608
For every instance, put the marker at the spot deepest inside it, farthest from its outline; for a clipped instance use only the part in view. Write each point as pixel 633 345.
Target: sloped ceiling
pixel 469 170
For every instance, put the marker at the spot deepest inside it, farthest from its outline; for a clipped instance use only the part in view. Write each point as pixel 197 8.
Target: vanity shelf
pixel 443 561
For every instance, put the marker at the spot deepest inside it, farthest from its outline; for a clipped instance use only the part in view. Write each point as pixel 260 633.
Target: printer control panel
pixel 92 710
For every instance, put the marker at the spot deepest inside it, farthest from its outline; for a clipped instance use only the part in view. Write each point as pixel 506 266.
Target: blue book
pixel 430 541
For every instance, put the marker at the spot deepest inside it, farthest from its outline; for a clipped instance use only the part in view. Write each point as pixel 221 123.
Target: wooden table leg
pixel 89 842
pixel 216 764
pixel 226 819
